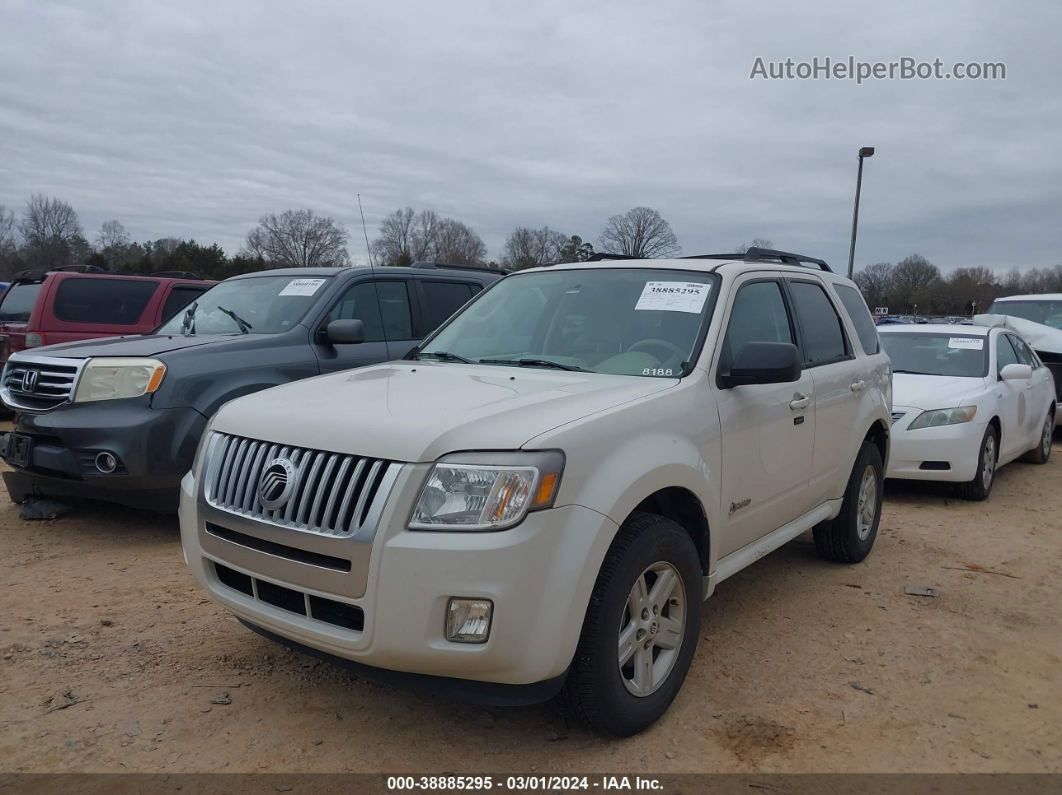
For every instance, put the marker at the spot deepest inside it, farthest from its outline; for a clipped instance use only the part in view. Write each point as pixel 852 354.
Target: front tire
pixel 1042 452
pixel 987 460
pixel 641 628
pixel 850 537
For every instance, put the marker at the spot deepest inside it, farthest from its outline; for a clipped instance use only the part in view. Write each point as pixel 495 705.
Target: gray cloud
pixel 193 119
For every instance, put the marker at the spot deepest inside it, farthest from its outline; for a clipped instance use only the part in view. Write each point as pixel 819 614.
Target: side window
pixel 861 319
pixel 388 318
pixel 179 297
pixel 759 315
pixel 1025 354
pixel 823 334
pixel 115 302
pixel 1004 352
pixel 442 299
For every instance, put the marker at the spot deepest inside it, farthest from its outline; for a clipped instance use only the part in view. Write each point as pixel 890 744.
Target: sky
pixel 193 119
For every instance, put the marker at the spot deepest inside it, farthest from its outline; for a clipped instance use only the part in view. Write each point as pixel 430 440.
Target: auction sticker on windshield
pixel 966 343
pixel 302 287
pixel 674 296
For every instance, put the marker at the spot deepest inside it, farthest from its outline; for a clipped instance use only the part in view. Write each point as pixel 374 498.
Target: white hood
pixel 933 391
pixel 1040 337
pixel 418 411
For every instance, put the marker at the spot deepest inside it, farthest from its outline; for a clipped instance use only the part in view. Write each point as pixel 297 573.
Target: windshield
pixel 258 305
pixel 611 320
pixel 18 302
pixel 937 354
pixel 1047 312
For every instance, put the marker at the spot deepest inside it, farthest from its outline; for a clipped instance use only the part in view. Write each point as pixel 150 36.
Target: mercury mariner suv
pixel 539 497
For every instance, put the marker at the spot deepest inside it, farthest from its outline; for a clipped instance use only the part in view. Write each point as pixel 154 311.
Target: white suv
pixel 540 497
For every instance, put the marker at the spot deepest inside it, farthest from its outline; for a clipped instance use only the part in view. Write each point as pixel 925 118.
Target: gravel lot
pixel 113 660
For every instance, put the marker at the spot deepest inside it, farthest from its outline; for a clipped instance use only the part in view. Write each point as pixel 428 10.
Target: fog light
pixel 468 620
pixel 106 463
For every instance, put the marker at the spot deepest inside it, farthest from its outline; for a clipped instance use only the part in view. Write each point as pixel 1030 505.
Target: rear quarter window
pixel 18 302
pixel 107 302
pixel 857 309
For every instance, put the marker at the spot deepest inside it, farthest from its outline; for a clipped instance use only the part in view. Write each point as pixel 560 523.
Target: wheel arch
pixel 683 507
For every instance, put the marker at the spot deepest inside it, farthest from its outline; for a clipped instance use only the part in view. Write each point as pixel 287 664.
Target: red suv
pixel 65 306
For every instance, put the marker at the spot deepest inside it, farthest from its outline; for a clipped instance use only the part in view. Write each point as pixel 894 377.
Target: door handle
pixel 799 402
pixel 859 386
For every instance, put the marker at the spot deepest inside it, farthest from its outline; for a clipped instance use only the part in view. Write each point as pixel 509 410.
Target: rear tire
pixel 1042 452
pixel 641 628
pixel 850 537
pixel 987 461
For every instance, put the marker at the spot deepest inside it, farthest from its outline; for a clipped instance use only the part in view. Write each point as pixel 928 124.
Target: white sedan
pixel 966 400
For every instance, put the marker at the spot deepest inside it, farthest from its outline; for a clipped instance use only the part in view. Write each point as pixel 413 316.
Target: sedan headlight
pixel 486 491
pixel 938 417
pixel 110 378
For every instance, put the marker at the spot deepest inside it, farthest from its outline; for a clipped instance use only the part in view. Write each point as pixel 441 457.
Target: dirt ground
pixel 113 660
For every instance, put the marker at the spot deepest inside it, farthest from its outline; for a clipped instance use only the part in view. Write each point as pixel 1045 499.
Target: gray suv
pixel 119 419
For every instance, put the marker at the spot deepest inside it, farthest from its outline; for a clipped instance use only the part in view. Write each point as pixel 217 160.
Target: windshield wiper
pixel 444 356
pixel 244 326
pixel 188 324
pixel 912 372
pixel 535 363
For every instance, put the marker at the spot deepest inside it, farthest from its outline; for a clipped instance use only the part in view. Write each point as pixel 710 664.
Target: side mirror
pixel 763 363
pixel 345 332
pixel 1015 372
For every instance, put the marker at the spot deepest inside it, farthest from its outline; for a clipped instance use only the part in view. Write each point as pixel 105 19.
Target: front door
pixel 1013 404
pixel 384 307
pixel 768 430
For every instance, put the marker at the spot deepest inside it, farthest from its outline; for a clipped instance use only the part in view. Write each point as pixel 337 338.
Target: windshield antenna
pixel 372 269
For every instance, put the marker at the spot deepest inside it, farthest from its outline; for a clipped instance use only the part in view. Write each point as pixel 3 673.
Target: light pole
pixel 866 151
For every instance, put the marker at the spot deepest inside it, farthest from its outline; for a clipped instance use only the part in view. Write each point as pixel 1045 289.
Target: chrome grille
pixel 334 494
pixel 39 384
pixel 897 415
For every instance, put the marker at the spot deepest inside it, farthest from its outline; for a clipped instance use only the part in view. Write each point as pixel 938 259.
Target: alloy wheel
pixel 867 504
pixel 651 629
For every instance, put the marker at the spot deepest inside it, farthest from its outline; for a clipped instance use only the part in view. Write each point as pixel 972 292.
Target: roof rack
pixel 755 254
pixel 786 258
pixel 603 255
pixel 449 266
pixel 171 275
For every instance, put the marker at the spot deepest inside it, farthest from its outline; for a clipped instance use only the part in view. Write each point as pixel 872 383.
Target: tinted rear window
pixel 861 319
pixel 18 302
pixel 441 300
pixel 117 302
pixel 824 340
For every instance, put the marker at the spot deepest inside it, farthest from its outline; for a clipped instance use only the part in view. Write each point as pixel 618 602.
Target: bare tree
pixel 113 244
pixel 112 235
pixel 575 249
pixel 756 242
pixel 51 232
pixel 298 239
pixel 530 248
pixel 8 232
pixel 916 281
pixel 406 237
pixel 875 282
pixel 640 232
pixel 457 244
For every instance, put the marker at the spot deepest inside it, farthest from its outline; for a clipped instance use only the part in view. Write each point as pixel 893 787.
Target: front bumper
pixel 539 576
pixel 915 455
pixel 154 447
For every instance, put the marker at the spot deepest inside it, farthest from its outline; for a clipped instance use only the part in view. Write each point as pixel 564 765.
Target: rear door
pixel 768 430
pixel 438 300
pixel 385 307
pixel 1039 391
pixel 831 361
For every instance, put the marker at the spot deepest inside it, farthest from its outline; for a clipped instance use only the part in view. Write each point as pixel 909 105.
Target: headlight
pixel 486 491
pixel 938 417
pixel 110 378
